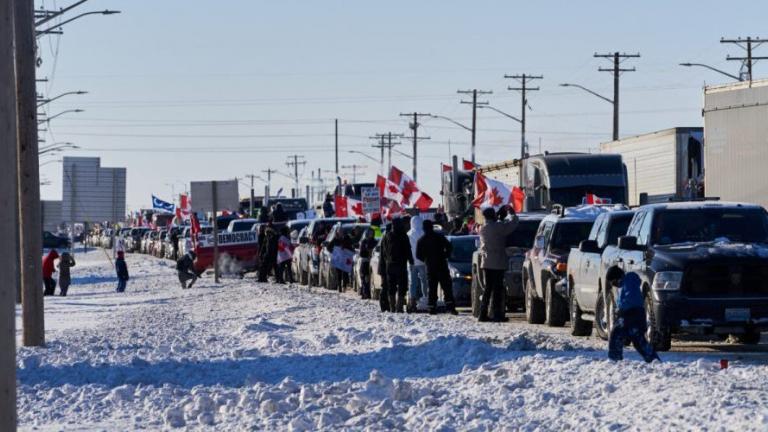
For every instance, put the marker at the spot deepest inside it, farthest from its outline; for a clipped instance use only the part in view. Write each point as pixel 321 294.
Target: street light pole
pixel 48 120
pixel 53 28
pixel 611 101
pixel 737 78
pixel 42 102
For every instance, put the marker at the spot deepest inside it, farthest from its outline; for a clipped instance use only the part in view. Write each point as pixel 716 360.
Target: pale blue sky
pixel 269 77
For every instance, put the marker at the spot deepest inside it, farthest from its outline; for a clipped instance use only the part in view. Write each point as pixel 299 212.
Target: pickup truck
pixel 546 263
pixel 517 245
pixel 585 287
pixel 704 267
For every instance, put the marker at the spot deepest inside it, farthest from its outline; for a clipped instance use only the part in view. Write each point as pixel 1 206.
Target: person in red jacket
pixel 48 269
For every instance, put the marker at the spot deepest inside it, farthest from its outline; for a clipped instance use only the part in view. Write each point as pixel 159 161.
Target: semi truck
pixel 736 133
pixel 662 166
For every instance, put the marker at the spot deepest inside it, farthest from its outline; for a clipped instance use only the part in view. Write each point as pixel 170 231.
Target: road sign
pixel 371 200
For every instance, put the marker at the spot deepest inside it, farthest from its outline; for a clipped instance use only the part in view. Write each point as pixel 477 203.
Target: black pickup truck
pixel 704 267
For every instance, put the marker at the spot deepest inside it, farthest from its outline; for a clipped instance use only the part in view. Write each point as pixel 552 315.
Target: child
pixel 122 271
pixel 630 323
pixel 65 263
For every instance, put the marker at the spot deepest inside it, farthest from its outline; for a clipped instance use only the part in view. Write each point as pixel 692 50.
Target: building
pixel 51 214
pixel 92 193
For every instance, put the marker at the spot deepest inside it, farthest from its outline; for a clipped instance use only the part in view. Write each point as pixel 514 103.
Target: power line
pixel 524 89
pixel 749 60
pixel 474 103
pixel 293 161
pixel 385 142
pixel 414 126
pixel 616 70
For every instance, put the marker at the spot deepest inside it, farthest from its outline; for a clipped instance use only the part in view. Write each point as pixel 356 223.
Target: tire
pixel 660 338
pixel 750 337
pixel 534 307
pixel 476 300
pixel 556 309
pixel 579 326
pixel 602 327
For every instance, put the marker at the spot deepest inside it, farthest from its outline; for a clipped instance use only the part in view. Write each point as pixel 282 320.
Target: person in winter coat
pixel 185 269
pixel 630 323
pixel 175 243
pixel 418 271
pixel 328 210
pixel 278 214
pixel 65 263
pixel 48 269
pixel 284 257
pixel 345 244
pixel 434 249
pixel 397 254
pixel 382 270
pixel 493 236
pixel 122 271
pixel 269 254
pixel 367 244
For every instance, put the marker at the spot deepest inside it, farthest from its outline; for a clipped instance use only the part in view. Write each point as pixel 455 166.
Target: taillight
pixel 561 267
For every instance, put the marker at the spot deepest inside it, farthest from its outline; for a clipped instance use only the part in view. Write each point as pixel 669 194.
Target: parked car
pixel 460 267
pixel 585 286
pixel 238 225
pixel 703 266
pixel 546 263
pixel 168 245
pixel 518 244
pixel 311 247
pixel 158 246
pixel 295 227
pixel 302 238
pixel 327 272
pixel 51 241
pixel 133 242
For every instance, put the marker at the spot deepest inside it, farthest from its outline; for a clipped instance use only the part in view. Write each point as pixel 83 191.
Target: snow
pixel 244 355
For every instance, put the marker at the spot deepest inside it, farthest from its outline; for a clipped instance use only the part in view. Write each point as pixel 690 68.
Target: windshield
pixel 569 235
pixel 355 232
pixel 524 235
pixel 618 228
pixel 242 226
pixel 697 225
pixel 463 247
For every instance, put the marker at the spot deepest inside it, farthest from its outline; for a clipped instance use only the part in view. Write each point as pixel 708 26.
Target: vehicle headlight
pixel 667 281
pixel 455 273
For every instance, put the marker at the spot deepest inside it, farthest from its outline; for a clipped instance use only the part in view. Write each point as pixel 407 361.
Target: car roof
pixel 700 205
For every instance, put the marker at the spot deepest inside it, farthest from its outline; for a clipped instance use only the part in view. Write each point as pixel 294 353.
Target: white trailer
pixel 736 125
pixel 662 165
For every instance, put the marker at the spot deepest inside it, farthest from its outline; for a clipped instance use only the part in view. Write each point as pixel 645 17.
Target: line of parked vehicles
pixel 704 265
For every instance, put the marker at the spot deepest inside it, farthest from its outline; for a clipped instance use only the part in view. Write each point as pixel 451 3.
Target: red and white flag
pixel 412 195
pixel 389 190
pixel 594 199
pixel 493 193
pixel 348 207
pixel 447 168
pixel 469 165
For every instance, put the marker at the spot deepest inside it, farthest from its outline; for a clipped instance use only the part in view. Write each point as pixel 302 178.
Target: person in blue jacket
pixel 122 271
pixel 630 323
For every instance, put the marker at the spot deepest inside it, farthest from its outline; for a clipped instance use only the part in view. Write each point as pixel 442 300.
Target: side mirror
pixel 303 240
pixel 589 246
pixel 629 243
pixel 539 242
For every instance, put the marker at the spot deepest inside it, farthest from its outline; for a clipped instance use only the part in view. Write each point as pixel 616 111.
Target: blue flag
pixel 159 204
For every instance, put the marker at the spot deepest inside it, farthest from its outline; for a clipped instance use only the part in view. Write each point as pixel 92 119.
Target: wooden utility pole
pixel 474 103
pixel 616 70
pixel 9 191
pixel 30 221
pixel 215 199
pixel 336 136
pixel 749 59
pixel 524 89
pixel 415 128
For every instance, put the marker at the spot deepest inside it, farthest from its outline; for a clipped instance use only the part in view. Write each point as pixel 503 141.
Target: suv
pixel 545 264
pixel 585 286
pixel 310 247
pixel 518 243
pixel 704 268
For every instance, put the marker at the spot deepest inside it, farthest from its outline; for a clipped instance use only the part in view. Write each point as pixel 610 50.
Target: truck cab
pixel 703 266
pixel 584 264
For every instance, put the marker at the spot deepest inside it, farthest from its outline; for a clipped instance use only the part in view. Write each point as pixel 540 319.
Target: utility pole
pixel 30 219
pixel 267 191
pixel 385 142
pixel 381 145
pixel 9 201
pixel 749 60
pixel 355 169
pixel 414 125
pixel 617 58
pixel 295 164
pixel 215 223
pixel 475 103
pixel 523 89
pixel 252 177
pixel 336 135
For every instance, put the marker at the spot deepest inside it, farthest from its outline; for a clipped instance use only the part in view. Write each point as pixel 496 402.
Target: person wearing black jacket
pixel 278 214
pixel 328 209
pixel 185 269
pixel 122 271
pixel 367 244
pixel 382 270
pixel 175 242
pixel 397 254
pixel 434 249
pixel 268 253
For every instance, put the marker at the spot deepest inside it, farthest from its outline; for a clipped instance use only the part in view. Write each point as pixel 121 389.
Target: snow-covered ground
pixel 248 356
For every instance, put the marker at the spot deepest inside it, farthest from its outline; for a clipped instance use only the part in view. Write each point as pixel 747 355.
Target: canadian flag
pixel 412 195
pixel 468 165
pixel 447 168
pixel 389 189
pixel 493 193
pixel 594 199
pixel 346 206
pixel 195 227
pixel 390 210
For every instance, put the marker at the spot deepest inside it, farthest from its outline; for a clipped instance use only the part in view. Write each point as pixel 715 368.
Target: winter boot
pixel 400 304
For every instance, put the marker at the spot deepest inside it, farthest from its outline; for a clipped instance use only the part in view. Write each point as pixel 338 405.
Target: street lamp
pixel 403 154
pixel 42 102
pixel 47 120
pixel 56 148
pixel 452 121
pixel 500 112
pixel 52 29
pixel 610 101
pixel 737 78
pixel 364 154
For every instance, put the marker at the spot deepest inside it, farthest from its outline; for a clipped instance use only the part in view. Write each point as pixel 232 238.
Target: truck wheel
pixel 660 338
pixel 750 337
pixel 475 291
pixel 534 307
pixel 579 326
pixel 556 309
pixel 601 317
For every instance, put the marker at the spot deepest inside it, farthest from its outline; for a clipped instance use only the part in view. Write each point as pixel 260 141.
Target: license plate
pixel 737 314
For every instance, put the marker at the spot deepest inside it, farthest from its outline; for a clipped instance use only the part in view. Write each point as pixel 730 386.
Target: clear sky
pixel 203 90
